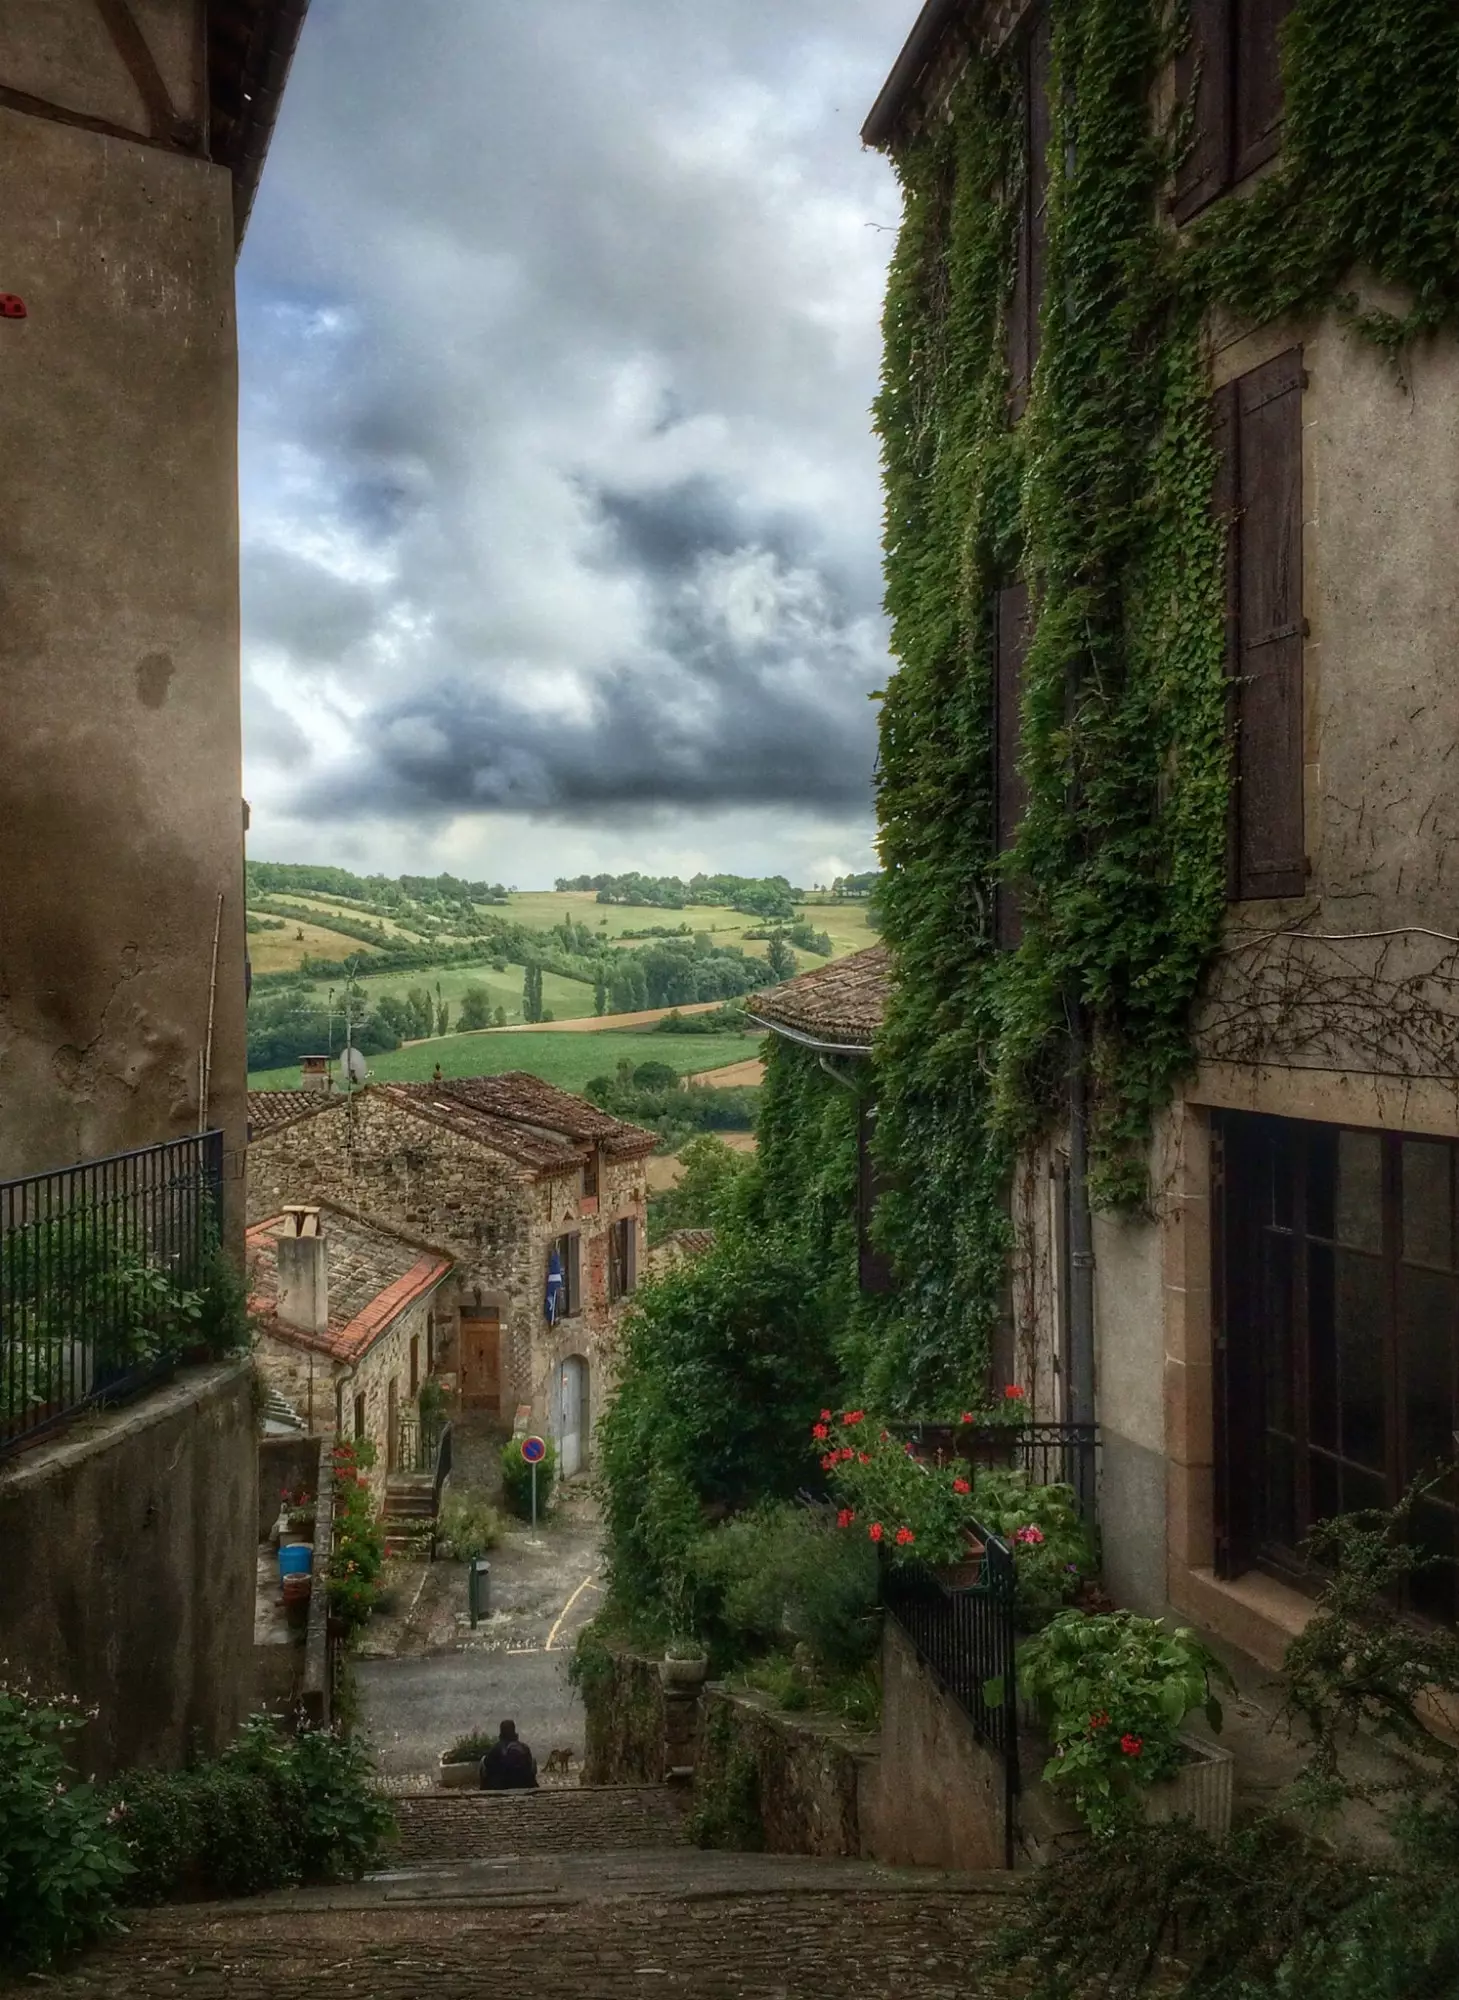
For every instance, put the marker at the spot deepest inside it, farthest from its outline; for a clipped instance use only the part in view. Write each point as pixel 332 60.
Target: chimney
pixel 315 1074
pixel 303 1272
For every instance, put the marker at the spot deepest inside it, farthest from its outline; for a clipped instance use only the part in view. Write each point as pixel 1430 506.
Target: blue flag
pixel 555 1288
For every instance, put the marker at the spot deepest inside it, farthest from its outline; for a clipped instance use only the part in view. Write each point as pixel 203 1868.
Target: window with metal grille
pixel 1337 1357
pixel 1229 74
pixel 590 1176
pixel 1258 437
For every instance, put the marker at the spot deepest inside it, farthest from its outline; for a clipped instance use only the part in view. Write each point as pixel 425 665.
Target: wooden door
pixel 481 1359
pixel 572 1416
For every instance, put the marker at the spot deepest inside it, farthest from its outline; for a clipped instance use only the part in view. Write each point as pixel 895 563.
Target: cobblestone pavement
pixel 860 1936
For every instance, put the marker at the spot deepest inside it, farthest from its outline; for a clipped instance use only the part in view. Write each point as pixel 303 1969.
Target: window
pixel 414 1366
pixel 569 1252
pixel 874 1265
pixel 1230 74
pixel 1338 1336
pixel 1010 794
pixel 590 1176
pixel 622 1258
pixel 430 1343
pixel 1258 436
pixel 359 1416
pixel 1034 62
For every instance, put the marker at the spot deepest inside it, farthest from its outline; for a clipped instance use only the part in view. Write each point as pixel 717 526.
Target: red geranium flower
pixel 1099 1720
pixel 819 1431
pixel 864 1457
pixel 854 1417
pixel 905 1537
pixel 1132 1745
pixel 961 1486
pixel 830 1462
pixel 876 1531
pixel 966 1417
pixel 825 1416
pixel 1013 1394
pixel 845 1518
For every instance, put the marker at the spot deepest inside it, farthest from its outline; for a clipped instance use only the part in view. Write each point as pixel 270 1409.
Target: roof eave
pixel 268 72
pixel 921 46
pixel 815 1042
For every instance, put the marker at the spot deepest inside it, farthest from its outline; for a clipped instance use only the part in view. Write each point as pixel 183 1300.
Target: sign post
pixel 534 1451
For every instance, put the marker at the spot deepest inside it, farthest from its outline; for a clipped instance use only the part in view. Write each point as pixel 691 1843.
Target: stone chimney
pixel 303 1272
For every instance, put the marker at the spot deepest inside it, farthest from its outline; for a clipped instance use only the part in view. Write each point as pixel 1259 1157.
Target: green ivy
pixel 1101 499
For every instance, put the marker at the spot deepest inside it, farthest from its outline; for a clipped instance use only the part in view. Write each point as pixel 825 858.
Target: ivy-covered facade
pixel 1170 423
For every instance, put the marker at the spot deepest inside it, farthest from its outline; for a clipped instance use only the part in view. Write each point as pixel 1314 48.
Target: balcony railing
pixel 965 1638
pixel 94 1263
pixel 1050 1454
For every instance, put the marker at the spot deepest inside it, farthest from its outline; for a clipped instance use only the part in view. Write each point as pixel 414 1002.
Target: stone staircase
pixel 408 1515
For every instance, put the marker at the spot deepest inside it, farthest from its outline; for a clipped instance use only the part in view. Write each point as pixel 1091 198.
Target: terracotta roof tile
pixel 272 1110
pixel 373 1276
pixel 525 1118
pixel 839 1006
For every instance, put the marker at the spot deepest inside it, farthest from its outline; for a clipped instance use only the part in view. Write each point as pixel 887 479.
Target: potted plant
pixel 296 1516
pixel 1053 1555
pixel 685 1664
pixel 459 1768
pixel 911 1510
pixel 1114 1691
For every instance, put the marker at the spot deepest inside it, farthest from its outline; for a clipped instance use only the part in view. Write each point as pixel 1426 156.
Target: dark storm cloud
pixel 559 492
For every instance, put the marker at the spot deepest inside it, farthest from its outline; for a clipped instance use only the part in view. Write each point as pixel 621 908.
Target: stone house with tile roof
pixel 345 1314
pixel 494 1173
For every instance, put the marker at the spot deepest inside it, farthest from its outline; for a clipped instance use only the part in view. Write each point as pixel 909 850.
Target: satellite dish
pixel 352 1067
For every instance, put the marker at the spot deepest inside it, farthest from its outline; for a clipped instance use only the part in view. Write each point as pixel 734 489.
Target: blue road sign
pixel 533 1450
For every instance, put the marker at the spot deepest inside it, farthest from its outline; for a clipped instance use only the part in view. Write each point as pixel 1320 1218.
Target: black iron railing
pixel 965 1638
pixel 438 1483
pixel 96 1262
pixel 416 1443
pixel 1050 1454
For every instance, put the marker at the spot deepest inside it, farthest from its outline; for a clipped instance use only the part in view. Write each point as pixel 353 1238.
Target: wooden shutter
pixel 1224 435
pixel 1257 98
pixel 573 1272
pixel 1035 62
pixel 1009 791
pixel 1204 77
pixel 1271 845
pixel 875 1266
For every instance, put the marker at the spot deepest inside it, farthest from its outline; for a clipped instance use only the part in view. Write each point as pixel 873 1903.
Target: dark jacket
pixel 509 1767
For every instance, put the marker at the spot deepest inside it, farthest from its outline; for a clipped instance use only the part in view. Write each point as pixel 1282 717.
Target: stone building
pixel 347 1327
pixel 1275 1336
pixel 495 1173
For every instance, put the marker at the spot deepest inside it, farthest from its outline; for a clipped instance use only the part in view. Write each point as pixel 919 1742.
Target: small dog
pixel 560 1760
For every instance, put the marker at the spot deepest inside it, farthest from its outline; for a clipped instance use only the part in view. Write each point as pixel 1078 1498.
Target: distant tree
pixel 422 1012
pixel 656 1076
pixel 499 1019
pixel 711 1172
pixel 547 1014
pixel 475 1009
pixel 600 993
pixel 443 1019
pixel 532 994
pixel 394 1013
pixel 780 959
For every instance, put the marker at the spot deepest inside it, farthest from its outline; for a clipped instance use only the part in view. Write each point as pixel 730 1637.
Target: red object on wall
pixel 11 307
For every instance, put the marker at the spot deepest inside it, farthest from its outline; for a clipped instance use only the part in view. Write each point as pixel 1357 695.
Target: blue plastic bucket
pixel 296 1560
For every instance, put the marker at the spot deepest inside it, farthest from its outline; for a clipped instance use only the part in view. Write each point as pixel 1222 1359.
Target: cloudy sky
pixel 560 505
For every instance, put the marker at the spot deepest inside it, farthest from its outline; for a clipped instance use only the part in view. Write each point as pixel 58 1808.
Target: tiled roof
pixel 272 1110
pixel 531 1121
pixel 373 1276
pixel 692 1242
pixel 835 1006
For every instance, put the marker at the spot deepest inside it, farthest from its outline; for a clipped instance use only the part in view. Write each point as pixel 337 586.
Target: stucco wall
pixel 120 795
pixel 129 1568
pixel 936 1800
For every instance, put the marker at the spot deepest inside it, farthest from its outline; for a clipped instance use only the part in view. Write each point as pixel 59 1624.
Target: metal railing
pixel 1050 1454
pixel 93 1260
pixel 416 1444
pixel 438 1483
pixel 965 1638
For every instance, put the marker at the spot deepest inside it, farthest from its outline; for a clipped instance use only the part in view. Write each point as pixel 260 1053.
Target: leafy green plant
pixel 517 1480
pixel 908 1509
pixel 1114 1691
pixel 357 1559
pixel 1052 1553
pixel 783 1575
pixel 63 1862
pixel 470 1749
pixel 468 1528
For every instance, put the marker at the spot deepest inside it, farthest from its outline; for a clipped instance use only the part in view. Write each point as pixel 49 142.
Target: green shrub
pixel 63 1862
pixel 1052 1551
pixel 468 1529
pixel 784 1574
pixel 470 1749
pixel 517 1480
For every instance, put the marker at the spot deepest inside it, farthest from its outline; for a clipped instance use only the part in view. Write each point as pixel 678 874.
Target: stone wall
pixel 283 1462
pixel 937 1797
pixel 804 1782
pixel 623 1701
pixel 129 1568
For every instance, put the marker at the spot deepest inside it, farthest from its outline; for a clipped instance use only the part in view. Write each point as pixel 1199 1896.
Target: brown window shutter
pixel 574 1273
pixel 1204 76
pixel 630 1254
pixel 1010 794
pixel 1257 105
pixel 1224 439
pixel 1271 847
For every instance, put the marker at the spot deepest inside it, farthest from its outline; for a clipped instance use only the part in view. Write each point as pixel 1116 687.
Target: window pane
pixel 1278 1349
pixel 1283 1166
pixel 1433 1590
pixel 1428 1204
pixel 1280 1527
pixel 1345 1186
pixel 1426 1302
pixel 1362 1489
pixel 1346 1334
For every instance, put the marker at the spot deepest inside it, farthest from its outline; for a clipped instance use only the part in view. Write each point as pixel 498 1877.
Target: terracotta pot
pixel 964 1575
pixel 297 1589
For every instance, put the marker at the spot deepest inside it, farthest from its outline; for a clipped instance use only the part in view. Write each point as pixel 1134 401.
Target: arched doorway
pixel 570 1416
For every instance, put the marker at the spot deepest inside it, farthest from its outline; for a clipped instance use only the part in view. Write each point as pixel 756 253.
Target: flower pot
pixel 684 1673
pixel 459 1777
pixel 1200 1790
pixel 964 1575
pixel 297 1589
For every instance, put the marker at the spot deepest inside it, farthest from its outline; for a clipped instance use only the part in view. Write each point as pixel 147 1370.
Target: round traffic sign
pixel 533 1450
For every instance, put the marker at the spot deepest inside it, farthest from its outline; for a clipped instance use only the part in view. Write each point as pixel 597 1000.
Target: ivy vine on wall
pixel 1101 500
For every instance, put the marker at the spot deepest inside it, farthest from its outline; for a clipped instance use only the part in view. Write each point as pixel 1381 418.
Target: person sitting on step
pixel 509 1765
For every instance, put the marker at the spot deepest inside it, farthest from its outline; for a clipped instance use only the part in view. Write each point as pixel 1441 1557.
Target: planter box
pixel 463 1777
pixel 683 1673
pixel 1201 1790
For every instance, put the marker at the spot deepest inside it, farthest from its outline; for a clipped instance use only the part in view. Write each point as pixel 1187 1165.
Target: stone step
pixel 482 1826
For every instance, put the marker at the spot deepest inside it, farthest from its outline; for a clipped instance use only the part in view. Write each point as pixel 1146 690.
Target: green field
pixel 844 923
pixel 569 999
pixel 568 1060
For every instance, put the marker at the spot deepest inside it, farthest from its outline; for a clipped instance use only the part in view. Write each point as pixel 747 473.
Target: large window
pixel 569 1253
pixel 1230 75
pixel 1338 1336
pixel 1259 491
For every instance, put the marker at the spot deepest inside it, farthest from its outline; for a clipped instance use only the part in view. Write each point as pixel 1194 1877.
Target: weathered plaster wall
pixel 937 1797
pixel 129 1568
pixel 120 793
